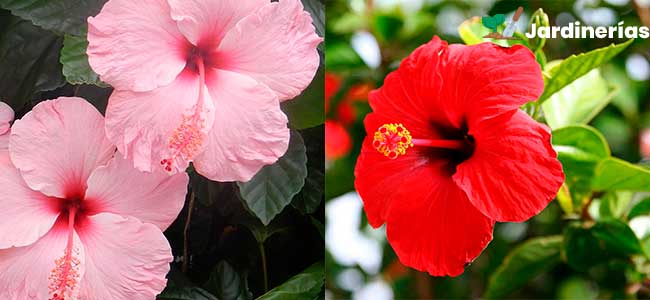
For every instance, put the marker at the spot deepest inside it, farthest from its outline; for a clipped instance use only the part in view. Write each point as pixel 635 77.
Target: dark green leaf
pixel 524 263
pixel 581 248
pixel 273 187
pixel 304 286
pixel 188 293
pixel 227 283
pixel 578 102
pixel 319 226
pixel 308 109
pixel 29 62
pixel 618 237
pixel 75 62
pixel 63 16
pixel 575 66
pixel 617 174
pixel 641 208
pixel 310 198
pixel 260 231
pixel 387 26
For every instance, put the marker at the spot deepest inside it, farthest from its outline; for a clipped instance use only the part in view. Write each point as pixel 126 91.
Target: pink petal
pixel 58 144
pixel 6 116
pixel 26 215
pixel 142 124
pixel 249 132
pixel 276 45
pixel 26 270
pixel 125 258
pixel 135 45
pixel 4 141
pixel 154 198
pixel 514 171
pixel 207 21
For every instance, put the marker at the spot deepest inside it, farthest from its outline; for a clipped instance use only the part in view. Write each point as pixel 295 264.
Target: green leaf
pixel 304 286
pixel 260 231
pixel 472 31
pixel 28 62
pixel 617 236
pixel 522 264
pixel 312 195
pixel 187 293
pixel 641 208
pixel 582 250
pixel 575 66
pixel 319 226
pixel 308 109
pixel 614 204
pixel 387 26
pixel 227 283
pixel 580 149
pixel 273 187
pixel 565 199
pixel 578 102
pixel 616 174
pixel 75 62
pixel 63 16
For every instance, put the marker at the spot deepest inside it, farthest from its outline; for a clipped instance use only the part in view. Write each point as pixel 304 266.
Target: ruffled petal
pixel 26 270
pixel 249 132
pixel 135 45
pixel 435 228
pixel 27 215
pixel 125 258
pixel 142 125
pixel 485 80
pixel 514 172
pixel 276 45
pixel 205 22
pixel 58 144
pixel 6 116
pixel 155 198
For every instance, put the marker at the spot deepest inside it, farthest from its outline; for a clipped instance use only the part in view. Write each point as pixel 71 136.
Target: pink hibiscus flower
pixel 201 80
pixel 79 222
pixel 6 116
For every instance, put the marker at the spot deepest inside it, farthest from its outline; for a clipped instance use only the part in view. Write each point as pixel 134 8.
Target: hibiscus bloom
pixel 201 80
pixel 77 221
pixel 6 116
pixel 448 152
pixel 338 142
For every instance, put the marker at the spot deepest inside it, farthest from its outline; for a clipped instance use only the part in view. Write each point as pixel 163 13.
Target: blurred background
pixel 366 39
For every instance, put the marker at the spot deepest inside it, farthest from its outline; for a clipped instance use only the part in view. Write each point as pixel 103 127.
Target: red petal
pixel 435 228
pixel 514 172
pixel 486 80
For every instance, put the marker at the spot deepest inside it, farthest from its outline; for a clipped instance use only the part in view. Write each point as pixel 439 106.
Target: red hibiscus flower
pixel 448 152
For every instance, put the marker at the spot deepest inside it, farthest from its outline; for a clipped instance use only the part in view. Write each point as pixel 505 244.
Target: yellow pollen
pixel 392 140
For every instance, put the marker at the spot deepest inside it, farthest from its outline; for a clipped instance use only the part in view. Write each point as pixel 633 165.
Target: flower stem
pixel 264 267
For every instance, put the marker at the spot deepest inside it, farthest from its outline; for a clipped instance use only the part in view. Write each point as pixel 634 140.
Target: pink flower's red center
pixel 64 278
pixel 393 140
pixel 187 138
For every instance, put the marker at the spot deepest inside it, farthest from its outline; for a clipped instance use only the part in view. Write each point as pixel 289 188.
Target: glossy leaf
pixel 575 66
pixel 617 236
pixel 63 16
pixel 640 209
pixel 578 102
pixel 28 62
pixel 581 248
pixel 273 187
pixel 186 293
pixel 75 61
pixel 616 174
pixel 304 286
pixel 614 204
pixel 524 263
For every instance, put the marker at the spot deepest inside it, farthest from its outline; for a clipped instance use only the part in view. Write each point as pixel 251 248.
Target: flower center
pixel 186 140
pixel 64 278
pixel 393 140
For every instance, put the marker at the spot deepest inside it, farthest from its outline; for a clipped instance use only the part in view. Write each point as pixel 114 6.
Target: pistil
pixel 393 140
pixel 65 276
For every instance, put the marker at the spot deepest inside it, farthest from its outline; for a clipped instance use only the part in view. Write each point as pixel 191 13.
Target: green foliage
pixel 307 285
pixel 28 62
pixel 273 187
pixel 617 237
pixel 75 61
pixel 640 209
pixel 522 264
pixel 227 284
pixel 307 110
pixel 579 102
pixel 62 16
pixel 617 174
pixel 186 293
pixel 575 66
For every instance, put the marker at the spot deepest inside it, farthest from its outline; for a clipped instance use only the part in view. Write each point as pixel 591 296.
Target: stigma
pixel 392 140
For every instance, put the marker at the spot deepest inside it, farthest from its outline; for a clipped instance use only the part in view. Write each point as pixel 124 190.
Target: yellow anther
pixel 392 140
